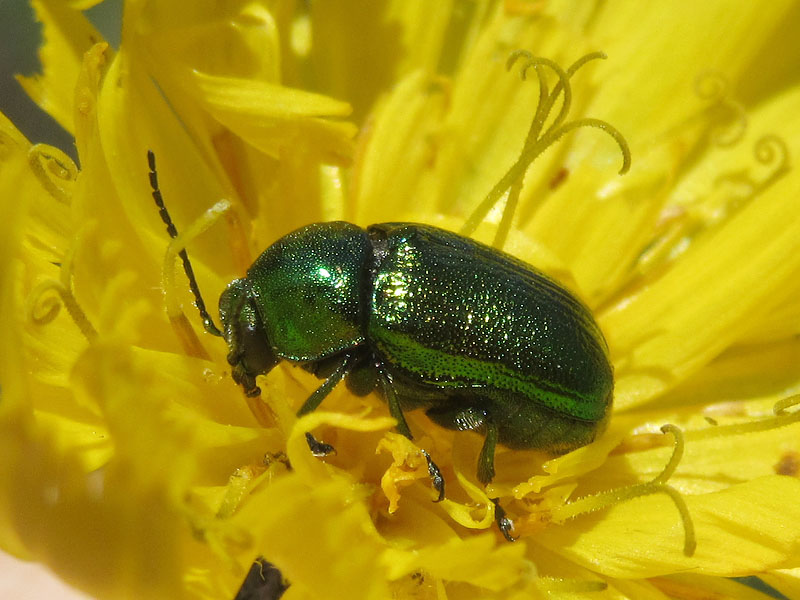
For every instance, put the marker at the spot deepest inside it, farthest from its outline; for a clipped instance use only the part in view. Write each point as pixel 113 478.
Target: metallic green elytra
pixel 479 339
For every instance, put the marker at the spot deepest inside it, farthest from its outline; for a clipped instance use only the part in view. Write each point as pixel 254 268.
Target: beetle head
pixel 250 353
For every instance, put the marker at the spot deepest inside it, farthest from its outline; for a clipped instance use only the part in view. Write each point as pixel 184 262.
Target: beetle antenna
pixel 208 322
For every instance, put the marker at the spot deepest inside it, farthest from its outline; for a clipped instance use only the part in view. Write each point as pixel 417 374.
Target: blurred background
pixel 20 35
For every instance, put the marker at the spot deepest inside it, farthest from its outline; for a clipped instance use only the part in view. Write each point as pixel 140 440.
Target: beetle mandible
pixel 431 319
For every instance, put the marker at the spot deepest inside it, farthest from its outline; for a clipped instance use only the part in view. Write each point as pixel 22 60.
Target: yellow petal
pixel 401 133
pixel 15 415
pixel 786 581
pixel 765 370
pixel 387 40
pixel 288 522
pixel 477 560
pixel 270 116
pixel 644 537
pixel 68 34
pixel 713 458
pixel 660 116
pixel 307 465
pixel 752 260
pixel 668 39
pixel 229 39
pixel 692 587
pixel 408 465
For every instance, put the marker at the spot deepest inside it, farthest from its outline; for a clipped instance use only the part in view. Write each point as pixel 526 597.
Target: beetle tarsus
pixel 504 524
pixel 436 476
pixel 263 581
pixel 319 449
pixel 247 381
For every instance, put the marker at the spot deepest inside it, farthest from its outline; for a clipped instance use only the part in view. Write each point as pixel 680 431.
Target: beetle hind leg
pixel 486 474
pixel 470 418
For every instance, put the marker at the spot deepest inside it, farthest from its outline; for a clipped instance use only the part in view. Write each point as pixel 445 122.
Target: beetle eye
pixel 256 355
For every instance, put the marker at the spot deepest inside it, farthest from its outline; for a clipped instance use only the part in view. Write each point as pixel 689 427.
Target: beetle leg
pixel 486 458
pixel 504 524
pixel 436 476
pixel 318 449
pixel 464 418
pixel 394 405
pixel 263 580
pixel 327 386
pixel 321 448
pixel 361 380
pixel 402 427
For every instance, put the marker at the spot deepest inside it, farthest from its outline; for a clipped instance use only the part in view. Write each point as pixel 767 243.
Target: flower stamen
pixel 536 142
pixel 677 453
pixel 782 418
pixel 42 311
pixel 682 225
pixel 546 99
pixel 53 169
pixel 42 308
pixel 771 149
pixel 713 86
pixel 657 485
pixel 785 403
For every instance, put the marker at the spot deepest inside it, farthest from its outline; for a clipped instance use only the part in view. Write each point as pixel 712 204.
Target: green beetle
pixel 429 318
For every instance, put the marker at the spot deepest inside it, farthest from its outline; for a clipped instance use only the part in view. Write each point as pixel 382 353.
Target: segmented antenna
pixel 208 323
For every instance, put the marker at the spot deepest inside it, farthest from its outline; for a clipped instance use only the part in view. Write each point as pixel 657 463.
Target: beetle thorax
pixel 309 290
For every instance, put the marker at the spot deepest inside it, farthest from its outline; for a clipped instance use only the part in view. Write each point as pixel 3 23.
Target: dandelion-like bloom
pixel 134 467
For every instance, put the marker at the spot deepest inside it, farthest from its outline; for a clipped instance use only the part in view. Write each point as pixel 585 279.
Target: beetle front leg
pixel 402 427
pixel 314 400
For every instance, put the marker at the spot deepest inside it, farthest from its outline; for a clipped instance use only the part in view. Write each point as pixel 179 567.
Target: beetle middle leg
pixel 402 427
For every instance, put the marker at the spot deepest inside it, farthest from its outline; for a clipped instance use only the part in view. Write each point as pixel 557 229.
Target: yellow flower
pixel 134 467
